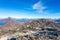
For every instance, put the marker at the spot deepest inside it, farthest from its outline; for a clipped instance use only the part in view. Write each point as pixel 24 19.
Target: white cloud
pixel 39 7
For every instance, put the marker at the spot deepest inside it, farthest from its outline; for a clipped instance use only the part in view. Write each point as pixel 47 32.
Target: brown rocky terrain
pixel 32 30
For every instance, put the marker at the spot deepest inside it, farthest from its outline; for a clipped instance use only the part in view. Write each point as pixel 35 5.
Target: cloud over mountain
pixel 39 7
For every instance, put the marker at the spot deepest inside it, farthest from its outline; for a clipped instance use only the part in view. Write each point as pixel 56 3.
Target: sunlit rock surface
pixel 41 29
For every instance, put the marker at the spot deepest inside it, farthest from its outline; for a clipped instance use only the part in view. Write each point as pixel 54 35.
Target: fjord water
pixel 22 20
pixel 3 23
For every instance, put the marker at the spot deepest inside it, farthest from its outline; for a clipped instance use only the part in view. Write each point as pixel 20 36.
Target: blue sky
pixel 30 8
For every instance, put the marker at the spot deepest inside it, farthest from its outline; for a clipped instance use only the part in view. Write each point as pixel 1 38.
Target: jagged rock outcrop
pixel 41 29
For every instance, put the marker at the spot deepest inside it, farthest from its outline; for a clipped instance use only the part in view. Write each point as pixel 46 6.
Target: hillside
pixel 30 28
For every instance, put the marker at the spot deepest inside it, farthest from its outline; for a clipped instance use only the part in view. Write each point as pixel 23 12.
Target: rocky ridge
pixel 41 29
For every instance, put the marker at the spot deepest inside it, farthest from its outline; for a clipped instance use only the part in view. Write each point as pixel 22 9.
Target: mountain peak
pixel 7 19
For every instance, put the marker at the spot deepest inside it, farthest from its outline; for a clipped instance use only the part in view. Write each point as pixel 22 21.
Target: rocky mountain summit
pixel 40 29
pixel 8 19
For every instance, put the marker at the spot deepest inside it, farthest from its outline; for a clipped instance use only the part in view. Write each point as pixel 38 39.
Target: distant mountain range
pixel 7 19
pixel 57 21
pixel 10 19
